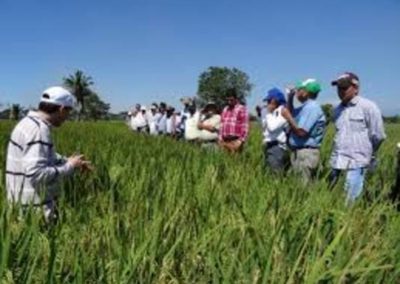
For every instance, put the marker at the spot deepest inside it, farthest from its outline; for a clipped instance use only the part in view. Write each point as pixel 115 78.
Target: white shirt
pixel 153 122
pixel 138 121
pixel 213 121
pixel 162 123
pixel 191 129
pixel 274 126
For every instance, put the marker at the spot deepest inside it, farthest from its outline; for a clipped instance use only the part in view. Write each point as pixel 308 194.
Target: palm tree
pixel 79 83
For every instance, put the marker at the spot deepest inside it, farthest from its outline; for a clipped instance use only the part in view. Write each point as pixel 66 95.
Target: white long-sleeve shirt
pixel 33 168
pixel 274 126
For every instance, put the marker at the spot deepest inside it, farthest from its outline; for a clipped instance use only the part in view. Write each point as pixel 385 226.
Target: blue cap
pixel 277 95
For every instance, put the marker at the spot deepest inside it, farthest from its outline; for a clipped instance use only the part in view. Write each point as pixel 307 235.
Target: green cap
pixel 310 85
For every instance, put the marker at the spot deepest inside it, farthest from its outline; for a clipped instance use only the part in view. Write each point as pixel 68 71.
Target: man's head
pixel 153 108
pixel 307 89
pixel 186 101
pixel 210 108
pixel 348 86
pixel 232 97
pixel 274 99
pixel 143 109
pixel 56 103
pixel 163 107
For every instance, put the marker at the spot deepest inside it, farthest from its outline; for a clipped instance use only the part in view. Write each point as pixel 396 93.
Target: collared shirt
pixel 191 130
pixel 139 121
pixel 234 122
pixel 359 130
pixel 274 126
pixel 311 118
pixel 33 168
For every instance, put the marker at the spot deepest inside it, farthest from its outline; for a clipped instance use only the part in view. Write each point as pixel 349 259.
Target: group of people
pixel 299 132
pixel 206 126
pixel 292 136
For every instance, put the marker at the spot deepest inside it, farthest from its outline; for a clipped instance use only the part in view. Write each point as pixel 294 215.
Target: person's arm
pixel 35 162
pixel 375 127
pixel 291 95
pixel 222 126
pixel 296 130
pixel 244 120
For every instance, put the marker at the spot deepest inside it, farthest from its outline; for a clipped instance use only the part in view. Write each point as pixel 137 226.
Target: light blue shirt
pixel 359 132
pixel 311 118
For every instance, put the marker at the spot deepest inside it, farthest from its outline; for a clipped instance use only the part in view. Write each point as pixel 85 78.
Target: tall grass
pixel 160 211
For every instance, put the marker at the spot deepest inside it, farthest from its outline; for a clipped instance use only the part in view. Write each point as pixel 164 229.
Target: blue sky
pixel 144 51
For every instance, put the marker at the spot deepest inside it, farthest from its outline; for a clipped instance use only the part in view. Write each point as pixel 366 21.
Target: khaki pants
pixel 305 162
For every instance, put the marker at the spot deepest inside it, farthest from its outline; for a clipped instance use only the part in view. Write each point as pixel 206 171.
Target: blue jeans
pixel 354 182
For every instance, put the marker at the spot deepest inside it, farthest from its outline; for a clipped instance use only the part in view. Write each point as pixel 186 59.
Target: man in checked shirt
pixel 234 124
pixel 33 168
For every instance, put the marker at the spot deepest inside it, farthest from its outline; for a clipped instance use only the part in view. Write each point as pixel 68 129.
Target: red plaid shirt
pixel 234 122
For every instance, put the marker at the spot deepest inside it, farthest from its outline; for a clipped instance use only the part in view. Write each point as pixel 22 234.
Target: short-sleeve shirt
pixel 311 118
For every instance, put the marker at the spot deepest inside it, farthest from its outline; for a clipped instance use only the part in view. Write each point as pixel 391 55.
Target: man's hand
pixel 78 161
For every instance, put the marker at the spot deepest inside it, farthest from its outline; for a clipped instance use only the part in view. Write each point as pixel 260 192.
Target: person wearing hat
pixel 307 125
pixel 359 134
pixel 187 103
pixel 234 124
pixel 209 125
pixel 274 127
pixel 33 168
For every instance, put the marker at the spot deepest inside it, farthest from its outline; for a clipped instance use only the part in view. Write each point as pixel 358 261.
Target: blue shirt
pixel 359 132
pixel 311 118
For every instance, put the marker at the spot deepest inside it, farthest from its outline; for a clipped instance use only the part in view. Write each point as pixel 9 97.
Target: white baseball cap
pixel 58 96
pixel 143 108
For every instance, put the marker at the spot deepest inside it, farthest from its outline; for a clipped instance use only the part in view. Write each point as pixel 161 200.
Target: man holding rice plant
pixel 359 134
pixel 33 168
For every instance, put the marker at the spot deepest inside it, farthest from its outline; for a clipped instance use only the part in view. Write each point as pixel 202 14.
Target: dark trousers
pixel 275 157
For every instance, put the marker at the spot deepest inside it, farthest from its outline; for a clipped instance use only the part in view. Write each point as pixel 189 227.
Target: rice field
pixel 161 211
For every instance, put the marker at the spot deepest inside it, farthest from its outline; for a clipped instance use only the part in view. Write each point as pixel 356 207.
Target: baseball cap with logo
pixel 58 96
pixel 310 85
pixel 346 80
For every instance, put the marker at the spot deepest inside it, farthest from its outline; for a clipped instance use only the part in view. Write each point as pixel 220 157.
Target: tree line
pixel 213 84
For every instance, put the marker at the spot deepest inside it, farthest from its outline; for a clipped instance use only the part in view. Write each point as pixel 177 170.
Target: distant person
pixel 170 122
pixel 274 127
pixel 33 168
pixel 209 125
pixel 234 124
pixel 153 117
pixel 191 133
pixel 307 128
pixel 359 134
pixel 133 114
pixel 140 120
pixel 186 102
pixel 162 120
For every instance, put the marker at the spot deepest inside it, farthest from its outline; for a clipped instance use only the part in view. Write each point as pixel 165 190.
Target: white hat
pixel 143 108
pixel 58 96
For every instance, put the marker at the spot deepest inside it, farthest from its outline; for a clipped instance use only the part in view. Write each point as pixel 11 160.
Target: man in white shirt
pixel 274 131
pixel 191 130
pixel 153 118
pixel 209 125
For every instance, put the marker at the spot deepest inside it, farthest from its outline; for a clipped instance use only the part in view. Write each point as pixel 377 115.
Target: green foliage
pixel 158 211
pixel 328 110
pixel 79 84
pixel 215 81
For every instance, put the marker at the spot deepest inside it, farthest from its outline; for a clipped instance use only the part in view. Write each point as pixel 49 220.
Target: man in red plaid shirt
pixel 234 124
